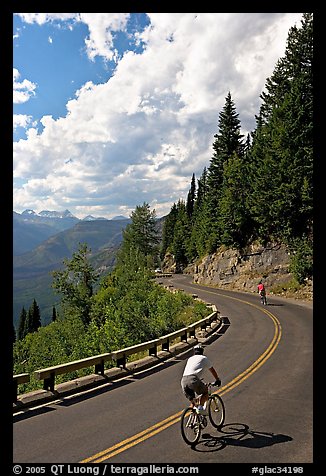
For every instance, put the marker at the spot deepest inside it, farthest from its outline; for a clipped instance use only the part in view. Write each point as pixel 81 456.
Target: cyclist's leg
pixel 188 391
pixel 201 389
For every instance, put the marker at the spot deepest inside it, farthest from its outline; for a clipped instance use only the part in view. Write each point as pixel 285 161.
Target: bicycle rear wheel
pixel 216 410
pixel 190 426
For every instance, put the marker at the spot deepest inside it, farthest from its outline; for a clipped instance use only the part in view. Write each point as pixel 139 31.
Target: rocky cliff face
pixel 242 271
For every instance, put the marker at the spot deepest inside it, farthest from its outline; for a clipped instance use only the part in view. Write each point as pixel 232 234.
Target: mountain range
pixel 41 243
pixel 31 228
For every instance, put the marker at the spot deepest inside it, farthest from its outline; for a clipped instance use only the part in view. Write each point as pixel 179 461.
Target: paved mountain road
pixel 265 361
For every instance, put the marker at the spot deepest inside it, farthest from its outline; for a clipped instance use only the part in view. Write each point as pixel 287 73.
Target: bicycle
pixel 263 299
pixel 192 422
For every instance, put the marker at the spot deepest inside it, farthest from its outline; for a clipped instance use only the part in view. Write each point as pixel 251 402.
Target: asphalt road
pixel 265 361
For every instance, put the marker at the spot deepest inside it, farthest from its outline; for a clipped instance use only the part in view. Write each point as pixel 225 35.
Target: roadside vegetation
pixel 125 308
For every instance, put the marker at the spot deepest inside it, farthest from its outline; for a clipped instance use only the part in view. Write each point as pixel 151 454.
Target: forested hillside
pixel 258 188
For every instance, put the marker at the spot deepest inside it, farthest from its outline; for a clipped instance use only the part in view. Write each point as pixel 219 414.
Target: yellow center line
pixel 171 420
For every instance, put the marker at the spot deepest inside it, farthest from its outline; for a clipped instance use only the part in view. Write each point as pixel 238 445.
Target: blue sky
pixel 112 110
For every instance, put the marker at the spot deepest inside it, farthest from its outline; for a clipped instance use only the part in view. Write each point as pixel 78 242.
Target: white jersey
pixel 196 365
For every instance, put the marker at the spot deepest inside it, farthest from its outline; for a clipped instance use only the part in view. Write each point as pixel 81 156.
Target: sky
pixel 114 110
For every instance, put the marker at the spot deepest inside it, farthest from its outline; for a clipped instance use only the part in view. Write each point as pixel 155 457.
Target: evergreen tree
pixel 181 237
pixel 282 149
pixel 34 317
pixel 54 314
pixel 202 191
pixel 140 238
pixel 234 219
pixel 168 231
pixel 22 330
pixel 191 197
pixel 228 141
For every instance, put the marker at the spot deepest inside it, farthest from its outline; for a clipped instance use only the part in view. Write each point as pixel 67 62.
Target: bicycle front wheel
pixel 216 411
pixel 190 426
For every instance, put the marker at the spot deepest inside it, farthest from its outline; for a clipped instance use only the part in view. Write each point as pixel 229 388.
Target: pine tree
pixel 168 231
pixel 282 149
pixel 233 218
pixel 181 237
pixel 34 317
pixel 228 141
pixel 22 330
pixel 202 190
pixel 140 238
pixel 54 314
pixel 191 197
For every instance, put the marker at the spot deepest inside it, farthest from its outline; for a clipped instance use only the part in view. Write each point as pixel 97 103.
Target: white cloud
pixel 140 136
pixel 22 91
pixel 101 27
pixel 22 120
pixel 41 18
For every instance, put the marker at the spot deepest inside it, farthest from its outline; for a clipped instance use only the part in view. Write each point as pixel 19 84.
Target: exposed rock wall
pixel 236 270
pixel 242 271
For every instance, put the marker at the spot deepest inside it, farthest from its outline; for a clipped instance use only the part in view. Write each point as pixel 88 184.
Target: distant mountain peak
pixel 28 211
pixel 119 217
pixel 55 214
pixel 47 214
pixel 91 218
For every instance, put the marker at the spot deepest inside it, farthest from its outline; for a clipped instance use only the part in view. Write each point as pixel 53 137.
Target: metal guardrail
pixel 119 357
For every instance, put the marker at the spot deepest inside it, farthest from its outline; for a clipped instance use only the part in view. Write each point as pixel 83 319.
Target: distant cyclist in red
pixel 262 292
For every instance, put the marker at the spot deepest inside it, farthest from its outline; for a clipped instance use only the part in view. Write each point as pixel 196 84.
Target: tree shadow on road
pixel 238 434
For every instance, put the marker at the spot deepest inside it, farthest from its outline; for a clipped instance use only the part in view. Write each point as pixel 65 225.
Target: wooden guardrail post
pixel 166 344
pixel 184 335
pixel 153 350
pixel 48 383
pixel 121 361
pixel 18 379
pixel 99 367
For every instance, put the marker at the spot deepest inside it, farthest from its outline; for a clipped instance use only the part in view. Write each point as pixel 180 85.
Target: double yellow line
pixel 171 420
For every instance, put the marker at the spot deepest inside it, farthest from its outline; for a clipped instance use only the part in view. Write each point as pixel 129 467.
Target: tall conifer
pixel 22 331
pixel 228 141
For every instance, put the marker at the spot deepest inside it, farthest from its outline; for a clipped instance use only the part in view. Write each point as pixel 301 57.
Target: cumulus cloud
pixel 22 120
pixel 22 90
pixel 101 28
pixel 140 136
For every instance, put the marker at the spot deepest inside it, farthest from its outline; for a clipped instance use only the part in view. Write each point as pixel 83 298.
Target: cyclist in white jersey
pixel 191 382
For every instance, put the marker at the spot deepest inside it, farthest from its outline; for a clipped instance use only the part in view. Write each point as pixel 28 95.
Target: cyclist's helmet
pixel 198 349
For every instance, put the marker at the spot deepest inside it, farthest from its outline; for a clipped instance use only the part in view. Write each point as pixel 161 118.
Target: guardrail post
pixel 48 383
pixel 183 336
pixel 166 345
pixel 121 362
pixel 153 350
pixel 192 332
pixel 14 391
pixel 99 367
